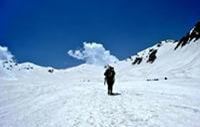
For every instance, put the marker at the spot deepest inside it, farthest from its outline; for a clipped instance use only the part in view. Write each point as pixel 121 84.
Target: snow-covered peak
pixel 168 58
pixel 162 48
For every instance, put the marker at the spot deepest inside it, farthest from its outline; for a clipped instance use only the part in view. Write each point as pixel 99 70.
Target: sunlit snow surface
pixel 77 97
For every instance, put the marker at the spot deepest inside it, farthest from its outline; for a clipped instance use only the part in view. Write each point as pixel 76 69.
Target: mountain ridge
pixel 164 56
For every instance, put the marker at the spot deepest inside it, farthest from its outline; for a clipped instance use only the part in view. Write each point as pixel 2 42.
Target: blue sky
pixel 42 31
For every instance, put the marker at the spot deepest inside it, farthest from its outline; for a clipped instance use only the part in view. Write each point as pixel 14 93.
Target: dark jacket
pixel 110 76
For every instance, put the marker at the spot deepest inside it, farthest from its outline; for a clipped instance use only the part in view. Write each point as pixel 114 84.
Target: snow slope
pixel 173 59
pixel 35 96
pixel 180 63
pixel 76 97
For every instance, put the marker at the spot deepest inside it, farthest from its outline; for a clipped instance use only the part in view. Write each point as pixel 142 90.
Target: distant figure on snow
pixel 109 79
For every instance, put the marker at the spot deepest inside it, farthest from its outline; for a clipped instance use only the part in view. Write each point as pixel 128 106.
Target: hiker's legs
pixel 110 86
pixel 109 89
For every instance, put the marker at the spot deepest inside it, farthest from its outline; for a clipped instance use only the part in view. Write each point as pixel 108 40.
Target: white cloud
pixel 93 53
pixel 5 54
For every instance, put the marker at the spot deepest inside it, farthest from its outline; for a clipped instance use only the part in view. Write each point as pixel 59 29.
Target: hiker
pixel 109 79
